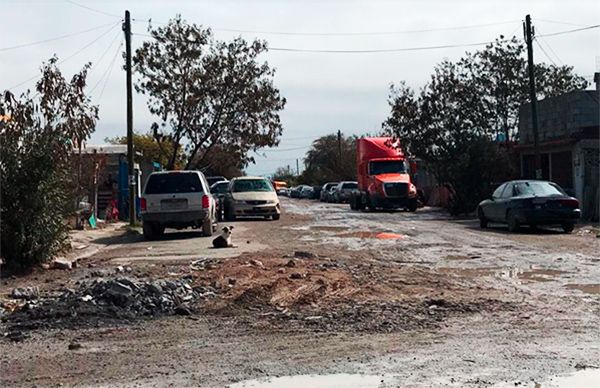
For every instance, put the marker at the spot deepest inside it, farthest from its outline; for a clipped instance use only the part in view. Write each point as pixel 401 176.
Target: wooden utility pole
pixel 339 135
pixel 297 167
pixel 529 33
pixel 130 159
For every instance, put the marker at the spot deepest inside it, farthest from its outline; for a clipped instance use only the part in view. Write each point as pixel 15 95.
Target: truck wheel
pixel 413 205
pixel 369 205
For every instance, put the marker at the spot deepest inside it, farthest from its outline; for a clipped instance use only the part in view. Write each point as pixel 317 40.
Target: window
pixel 538 189
pixel 244 185
pixel 220 187
pixel 508 191
pixel 350 185
pixel 174 183
pixel 499 191
pixel 387 167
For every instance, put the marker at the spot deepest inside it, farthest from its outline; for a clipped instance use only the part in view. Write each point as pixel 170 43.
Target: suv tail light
pixel 205 202
pixel 143 204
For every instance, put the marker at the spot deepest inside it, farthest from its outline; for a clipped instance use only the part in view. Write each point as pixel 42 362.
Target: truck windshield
pixel 387 167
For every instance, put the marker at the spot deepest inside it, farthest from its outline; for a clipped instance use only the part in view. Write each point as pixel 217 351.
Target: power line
pixel 545 53
pixel 559 22
pixel 285 149
pixel 112 64
pixel 69 57
pixel 570 31
pixel 112 42
pixel 545 43
pixel 366 33
pixel 93 9
pixel 53 39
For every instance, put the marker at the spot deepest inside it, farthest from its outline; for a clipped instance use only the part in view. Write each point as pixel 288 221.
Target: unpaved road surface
pixel 408 299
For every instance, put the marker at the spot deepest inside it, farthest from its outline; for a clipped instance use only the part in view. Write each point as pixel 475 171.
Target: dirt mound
pixel 326 295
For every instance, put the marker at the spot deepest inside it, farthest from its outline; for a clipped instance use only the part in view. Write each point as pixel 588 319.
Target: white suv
pixel 177 199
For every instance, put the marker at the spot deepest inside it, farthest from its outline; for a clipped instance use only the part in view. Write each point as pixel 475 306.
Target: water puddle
pixel 328 228
pixel 527 275
pixel 593 289
pixel 378 235
pixel 341 380
pixel 587 378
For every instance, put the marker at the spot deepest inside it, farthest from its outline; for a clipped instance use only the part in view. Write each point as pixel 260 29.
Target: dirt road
pixel 407 299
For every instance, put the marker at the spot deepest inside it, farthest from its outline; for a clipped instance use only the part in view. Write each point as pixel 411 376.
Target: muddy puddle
pixel 377 235
pixel 593 289
pixel 526 275
pixel 587 378
pixel 341 380
pixel 328 228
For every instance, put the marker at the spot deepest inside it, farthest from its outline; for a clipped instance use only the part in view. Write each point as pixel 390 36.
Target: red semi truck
pixel 383 176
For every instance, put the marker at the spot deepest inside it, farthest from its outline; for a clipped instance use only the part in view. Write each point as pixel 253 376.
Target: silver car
pixel 251 196
pixel 177 199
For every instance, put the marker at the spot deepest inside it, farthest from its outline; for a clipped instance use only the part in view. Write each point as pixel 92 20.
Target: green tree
pixel 37 182
pixel 152 149
pixel 451 124
pixel 208 93
pixel 324 162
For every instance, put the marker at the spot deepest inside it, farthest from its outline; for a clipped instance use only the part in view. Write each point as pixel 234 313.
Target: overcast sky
pixel 324 91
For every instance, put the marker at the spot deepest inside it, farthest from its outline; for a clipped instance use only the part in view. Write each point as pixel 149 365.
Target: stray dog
pixel 224 240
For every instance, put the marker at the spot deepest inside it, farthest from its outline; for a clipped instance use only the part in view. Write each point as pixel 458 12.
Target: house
pixel 569 143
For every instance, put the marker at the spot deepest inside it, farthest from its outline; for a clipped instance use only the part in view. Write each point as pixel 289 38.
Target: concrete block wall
pixel 561 116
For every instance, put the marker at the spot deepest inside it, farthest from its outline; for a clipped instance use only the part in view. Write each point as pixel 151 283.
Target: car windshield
pixel 174 183
pixel 538 189
pixel 220 188
pixel 387 167
pixel 351 185
pixel 243 185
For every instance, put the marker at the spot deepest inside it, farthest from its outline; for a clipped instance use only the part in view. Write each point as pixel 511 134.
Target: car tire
pixel 483 222
pixel 413 205
pixel 276 217
pixel 513 223
pixel 352 202
pixel 207 227
pixel 568 227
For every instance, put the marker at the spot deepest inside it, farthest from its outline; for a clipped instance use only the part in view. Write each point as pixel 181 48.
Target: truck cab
pixel 383 176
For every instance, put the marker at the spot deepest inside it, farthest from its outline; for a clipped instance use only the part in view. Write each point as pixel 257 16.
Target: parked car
pixel 285 192
pixel 342 191
pixel 295 192
pixel 218 190
pixel 306 192
pixel 177 199
pixel 326 191
pixel 251 196
pixel 530 202
pixel 316 194
pixel 214 179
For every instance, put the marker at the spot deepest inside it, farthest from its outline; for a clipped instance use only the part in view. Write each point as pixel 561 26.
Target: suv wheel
pixel 207 227
pixel 149 231
pixel 276 217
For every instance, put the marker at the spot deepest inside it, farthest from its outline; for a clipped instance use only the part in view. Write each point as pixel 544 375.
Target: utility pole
pixel 529 33
pixel 130 159
pixel 340 147
pixel 297 168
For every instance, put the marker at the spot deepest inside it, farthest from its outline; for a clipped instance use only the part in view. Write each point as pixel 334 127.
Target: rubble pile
pixel 102 301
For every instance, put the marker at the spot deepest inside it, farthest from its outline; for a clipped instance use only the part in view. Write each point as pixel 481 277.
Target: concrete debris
pixel 61 264
pixel 256 263
pixel 203 264
pixel 290 264
pixel 26 293
pixel 110 300
pixel 74 345
pixel 304 255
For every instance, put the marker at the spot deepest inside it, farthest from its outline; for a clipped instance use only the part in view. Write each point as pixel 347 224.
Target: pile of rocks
pixel 108 301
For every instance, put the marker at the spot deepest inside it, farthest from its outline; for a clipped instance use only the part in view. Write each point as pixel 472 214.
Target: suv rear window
pixel 349 186
pixel 173 183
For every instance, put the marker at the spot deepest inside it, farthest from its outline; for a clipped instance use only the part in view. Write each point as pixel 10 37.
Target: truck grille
pixel 396 189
